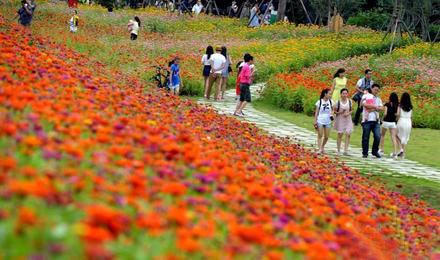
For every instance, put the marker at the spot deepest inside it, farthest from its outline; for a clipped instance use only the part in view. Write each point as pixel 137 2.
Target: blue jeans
pixel 367 127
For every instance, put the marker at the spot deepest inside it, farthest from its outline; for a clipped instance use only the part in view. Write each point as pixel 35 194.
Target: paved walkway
pixel 281 128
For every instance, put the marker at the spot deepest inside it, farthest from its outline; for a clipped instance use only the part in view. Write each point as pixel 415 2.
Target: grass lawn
pixel 422 148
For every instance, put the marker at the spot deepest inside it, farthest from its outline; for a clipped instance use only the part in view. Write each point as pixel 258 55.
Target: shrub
pixel 375 19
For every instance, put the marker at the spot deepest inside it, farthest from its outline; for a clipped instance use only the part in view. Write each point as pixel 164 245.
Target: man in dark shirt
pixel 25 13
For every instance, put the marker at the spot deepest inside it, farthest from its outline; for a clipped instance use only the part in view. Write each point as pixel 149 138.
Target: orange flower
pixel 174 188
pixel 188 245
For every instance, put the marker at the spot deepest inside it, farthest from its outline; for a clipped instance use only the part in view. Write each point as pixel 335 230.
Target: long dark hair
pixel 393 100
pixel 138 20
pixel 224 52
pixel 405 102
pixel 324 92
pixel 209 51
pixel 338 72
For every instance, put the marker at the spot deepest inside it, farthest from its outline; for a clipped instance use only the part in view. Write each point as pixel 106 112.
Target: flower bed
pixel 94 165
pixel 413 69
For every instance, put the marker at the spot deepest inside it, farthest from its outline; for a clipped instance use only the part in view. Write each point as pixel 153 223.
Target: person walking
pixel 25 13
pixel 339 82
pixel 133 28
pixel 372 104
pixel 343 122
pixel 254 22
pixel 389 123
pixel 207 67
pixel 175 77
pixel 404 123
pixel 323 118
pixel 245 82
pixel 226 70
pixel 73 22
pixel 362 85
pixel 217 62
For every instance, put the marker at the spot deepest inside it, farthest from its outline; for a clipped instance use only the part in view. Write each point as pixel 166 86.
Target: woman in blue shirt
pixel 175 77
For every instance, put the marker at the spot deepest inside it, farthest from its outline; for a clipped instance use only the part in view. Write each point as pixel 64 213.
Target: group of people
pixel 334 108
pixel 217 67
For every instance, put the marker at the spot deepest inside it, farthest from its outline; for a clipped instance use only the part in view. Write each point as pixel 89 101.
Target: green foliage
pixel 376 19
pixel 157 25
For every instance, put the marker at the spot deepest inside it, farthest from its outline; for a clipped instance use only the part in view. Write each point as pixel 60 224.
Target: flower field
pixel 279 48
pixel 93 164
pixel 414 69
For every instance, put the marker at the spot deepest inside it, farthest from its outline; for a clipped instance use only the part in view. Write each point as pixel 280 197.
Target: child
pixel 175 77
pixel 369 99
pixel 74 22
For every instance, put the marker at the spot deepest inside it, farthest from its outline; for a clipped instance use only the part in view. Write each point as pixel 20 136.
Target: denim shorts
pixel 325 126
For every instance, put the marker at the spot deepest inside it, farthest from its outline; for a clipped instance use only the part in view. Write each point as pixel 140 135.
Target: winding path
pixel 306 137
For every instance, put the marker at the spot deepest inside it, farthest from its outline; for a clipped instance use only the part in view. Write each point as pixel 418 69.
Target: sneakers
pixel 381 152
pixel 377 155
pixel 364 156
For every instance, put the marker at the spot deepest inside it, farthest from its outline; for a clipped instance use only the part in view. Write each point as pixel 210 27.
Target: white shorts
pixel 175 86
pixel 389 125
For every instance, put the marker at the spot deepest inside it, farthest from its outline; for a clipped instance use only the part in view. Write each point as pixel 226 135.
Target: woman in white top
pixel 343 123
pixel 404 123
pixel 323 118
pixel 133 28
pixel 207 66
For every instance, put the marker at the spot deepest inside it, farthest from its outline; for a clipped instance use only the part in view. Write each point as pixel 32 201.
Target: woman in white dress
pixel 404 124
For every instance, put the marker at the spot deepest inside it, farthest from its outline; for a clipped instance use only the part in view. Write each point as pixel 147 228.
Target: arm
pixel 333 86
pixel 222 67
pixel 385 111
pixel 27 9
pixel 358 86
pixel 316 114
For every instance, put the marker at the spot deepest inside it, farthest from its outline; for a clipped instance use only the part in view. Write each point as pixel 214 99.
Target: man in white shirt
pixel 197 8
pixel 362 85
pixel 218 63
pixel 372 104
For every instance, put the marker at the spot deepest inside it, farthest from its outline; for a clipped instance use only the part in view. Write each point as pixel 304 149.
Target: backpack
pixel 320 102
pixel 339 105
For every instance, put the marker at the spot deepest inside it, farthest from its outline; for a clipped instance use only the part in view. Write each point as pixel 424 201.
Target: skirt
pixel 206 70
pixel 343 124
pixel 404 126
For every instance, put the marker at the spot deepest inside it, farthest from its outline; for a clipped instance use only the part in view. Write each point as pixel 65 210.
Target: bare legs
pixel 394 140
pixel 205 86
pixel 223 86
pixel 346 143
pixel 240 106
pixel 382 139
pixel 323 134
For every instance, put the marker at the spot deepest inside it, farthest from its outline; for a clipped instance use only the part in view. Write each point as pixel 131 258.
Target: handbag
pixel 229 69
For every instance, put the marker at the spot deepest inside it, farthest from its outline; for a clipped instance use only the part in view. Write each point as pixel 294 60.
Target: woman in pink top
pixel 245 82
